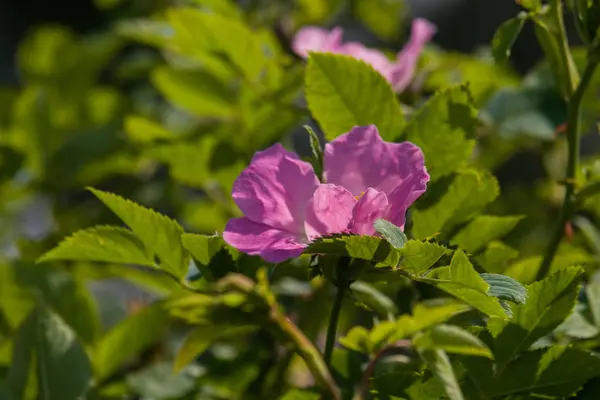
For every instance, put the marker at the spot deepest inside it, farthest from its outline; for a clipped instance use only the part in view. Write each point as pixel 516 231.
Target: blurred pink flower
pixel 399 72
pixel 285 207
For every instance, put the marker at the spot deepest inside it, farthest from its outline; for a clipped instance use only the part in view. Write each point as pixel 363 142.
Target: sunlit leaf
pixel 108 244
pixel 159 233
pixel 341 91
pixel 505 37
pixel 444 128
pixel 368 248
pixel 451 339
pixel 482 230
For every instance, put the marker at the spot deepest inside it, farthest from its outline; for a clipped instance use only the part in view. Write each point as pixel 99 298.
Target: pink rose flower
pixel 399 72
pixel 285 206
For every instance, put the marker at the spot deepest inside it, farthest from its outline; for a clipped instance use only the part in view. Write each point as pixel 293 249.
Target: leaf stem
pixel 333 320
pixel 573 140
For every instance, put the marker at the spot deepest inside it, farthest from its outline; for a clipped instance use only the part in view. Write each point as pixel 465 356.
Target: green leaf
pixel 451 339
pixel 227 43
pixel 368 248
pixel 160 383
pixel 203 248
pixel 159 233
pixel 592 292
pixel 505 288
pixel 373 299
pixel 458 201
pixel 482 230
pixel 425 315
pixel 62 368
pixel 194 91
pixel 317 152
pixel 496 257
pixel 440 365
pixel 297 394
pixel 341 91
pixel 391 233
pixel 532 5
pixel 382 17
pixel 202 337
pixel 550 302
pixel 444 128
pixel 577 326
pixel 557 372
pixel 462 281
pixel 129 338
pixel 143 130
pixel 505 37
pixel 109 244
pixel 418 257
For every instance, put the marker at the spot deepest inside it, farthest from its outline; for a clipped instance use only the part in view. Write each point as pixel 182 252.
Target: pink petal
pixel 316 39
pixel 275 188
pixel 253 238
pixel 371 206
pixel 373 57
pixel 329 211
pixel 359 160
pixel 422 31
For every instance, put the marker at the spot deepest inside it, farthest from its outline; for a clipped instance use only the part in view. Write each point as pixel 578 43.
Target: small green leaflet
pixel 391 233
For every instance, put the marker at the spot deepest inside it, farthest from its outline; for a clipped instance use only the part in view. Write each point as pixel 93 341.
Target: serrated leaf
pixel 373 299
pixel 482 230
pixel 159 233
pixel 418 257
pixel 462 281
pixel 369 248
pixel 194 91
pixel 109 244
pixel 556 372
pixel 505 37
pixel 549 303
pixel 341 91
pixel 451 339
pixel 444 128
pixel 129 338
pixel 391 233
pixel 505 288
pixel 62 368
pixel 456 202
pixel 204 336
pixel 440 365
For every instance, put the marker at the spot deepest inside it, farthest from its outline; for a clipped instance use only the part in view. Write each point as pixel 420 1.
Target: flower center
pixel 359 196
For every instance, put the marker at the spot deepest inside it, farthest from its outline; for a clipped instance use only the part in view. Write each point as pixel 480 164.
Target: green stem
pixel 573 139
pixel 333 322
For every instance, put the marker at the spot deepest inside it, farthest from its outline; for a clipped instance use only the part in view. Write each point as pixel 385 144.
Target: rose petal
pixel 372 205
pixel 253 238
pixel 329 211
pixel 359 159
pixel 373 57
pixel 275 188
pixel 422 32
pixel 316 39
